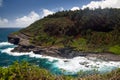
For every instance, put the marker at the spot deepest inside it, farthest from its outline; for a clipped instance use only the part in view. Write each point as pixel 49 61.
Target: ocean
pixel 7 59
pixel 54 65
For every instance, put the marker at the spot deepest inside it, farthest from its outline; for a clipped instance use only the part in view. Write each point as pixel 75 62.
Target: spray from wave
pixel 5 44
pixel 72 66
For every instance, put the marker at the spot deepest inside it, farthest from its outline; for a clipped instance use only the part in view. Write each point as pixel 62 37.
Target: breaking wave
pixel 5 44
pixel 74 65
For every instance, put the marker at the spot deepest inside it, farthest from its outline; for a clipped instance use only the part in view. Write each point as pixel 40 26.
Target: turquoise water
pixel 5 31
pixel 6 59
pixel 54 65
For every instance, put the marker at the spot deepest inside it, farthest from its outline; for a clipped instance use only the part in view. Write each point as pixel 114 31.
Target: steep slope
pixel 83 30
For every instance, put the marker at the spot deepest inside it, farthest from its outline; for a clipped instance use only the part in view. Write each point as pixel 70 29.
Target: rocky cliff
pixel 71 33
pixel 24 46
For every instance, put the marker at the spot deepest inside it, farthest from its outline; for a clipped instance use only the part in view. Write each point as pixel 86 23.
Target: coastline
pixel 23 45
pixel 71 65
pixel 66 53
pixel 67 65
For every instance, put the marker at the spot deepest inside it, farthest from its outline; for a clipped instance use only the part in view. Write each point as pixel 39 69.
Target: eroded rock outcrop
pixel 24 46
pixel 14 39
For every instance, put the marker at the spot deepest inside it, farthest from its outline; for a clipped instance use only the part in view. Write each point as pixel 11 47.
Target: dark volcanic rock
pixel 24 46
pixel 70 53
pixel 19 39
pixel 13 39
pixel 64 53
pixel 38 51
pixel 21 49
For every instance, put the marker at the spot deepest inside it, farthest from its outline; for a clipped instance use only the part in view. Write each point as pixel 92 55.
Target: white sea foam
pixel 81 63
pixel 72 65
pixel 8 51
pixel 31 54
pixel 5 44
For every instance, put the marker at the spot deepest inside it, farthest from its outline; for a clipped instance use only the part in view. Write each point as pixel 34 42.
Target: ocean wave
pixel 83 64
pixel 5 44
pixel 30 54
pixel 73 65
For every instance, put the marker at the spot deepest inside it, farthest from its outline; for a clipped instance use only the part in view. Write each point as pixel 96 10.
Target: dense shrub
pixel 26 71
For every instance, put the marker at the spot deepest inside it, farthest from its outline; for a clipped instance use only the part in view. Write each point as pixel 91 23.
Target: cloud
pixel 103 4
pixel 27 20
pixel 61 9
pixel 1 1
pixel 75 8
pixel 3 21
pixel 58 9
pixel 31 17
pixel 46 12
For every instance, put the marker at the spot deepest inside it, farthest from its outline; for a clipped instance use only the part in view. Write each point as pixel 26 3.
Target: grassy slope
pixel 85 30
pixel 26 71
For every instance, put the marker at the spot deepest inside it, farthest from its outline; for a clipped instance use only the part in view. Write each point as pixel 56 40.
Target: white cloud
pixel 75 8
pixel 103 4
pixel 3 21
pixel 31 17
pixel 1 1
pixel 46 12
pixel 57 9
pixel 61 8
pixel 27 20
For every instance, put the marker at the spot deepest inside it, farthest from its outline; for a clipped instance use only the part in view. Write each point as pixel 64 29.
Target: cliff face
pixel 24 46
pixel 19 39
pixel 85 30
pixel 22 41
pixel 55 52
pixel 13 39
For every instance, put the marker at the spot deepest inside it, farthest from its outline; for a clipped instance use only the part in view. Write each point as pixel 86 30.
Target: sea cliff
pixel 69 34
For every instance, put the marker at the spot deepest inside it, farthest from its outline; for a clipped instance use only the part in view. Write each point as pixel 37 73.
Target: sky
pixel 22 13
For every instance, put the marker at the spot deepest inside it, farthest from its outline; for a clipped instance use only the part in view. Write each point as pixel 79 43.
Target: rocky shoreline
pixel 24 46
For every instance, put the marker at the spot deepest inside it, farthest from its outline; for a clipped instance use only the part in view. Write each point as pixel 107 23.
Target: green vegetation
pixel 114 75
pixel 86 30
pixel 115 49
pixel 26 71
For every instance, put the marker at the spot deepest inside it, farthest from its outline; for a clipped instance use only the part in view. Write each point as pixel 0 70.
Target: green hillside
pixel 85 30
